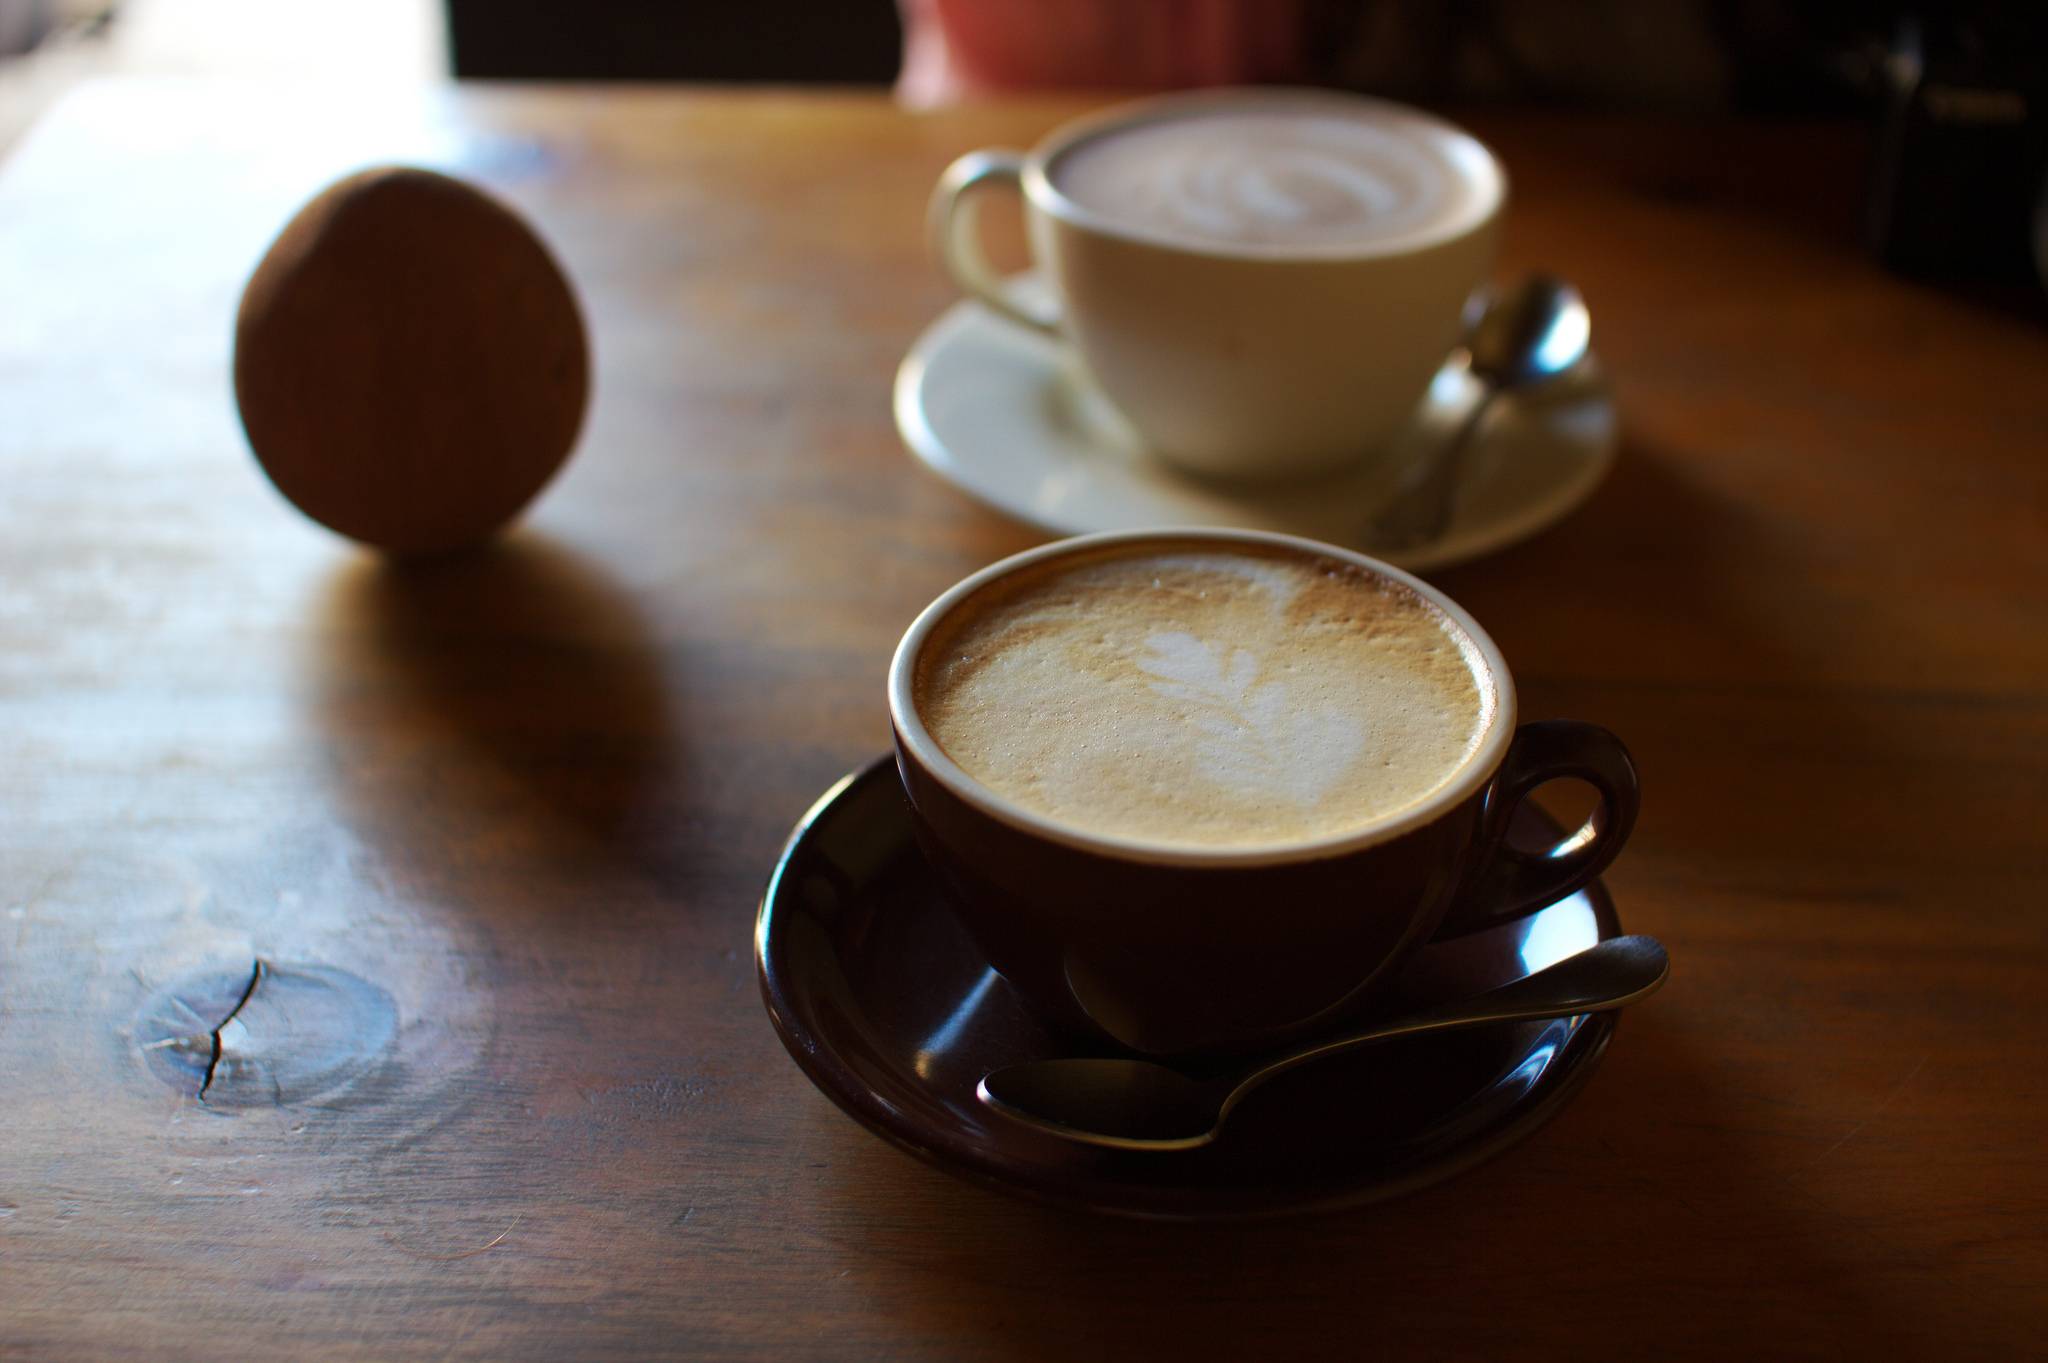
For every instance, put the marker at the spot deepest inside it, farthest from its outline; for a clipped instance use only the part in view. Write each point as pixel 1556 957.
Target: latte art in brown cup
pixel 1194 792
pixel 1204 696
pixel 1287 176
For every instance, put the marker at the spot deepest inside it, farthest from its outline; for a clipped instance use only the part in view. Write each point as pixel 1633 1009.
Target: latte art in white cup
pixel 1261 282
pixel 1314 177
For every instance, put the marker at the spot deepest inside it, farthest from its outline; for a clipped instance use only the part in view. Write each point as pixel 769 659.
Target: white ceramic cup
pixel 1251 362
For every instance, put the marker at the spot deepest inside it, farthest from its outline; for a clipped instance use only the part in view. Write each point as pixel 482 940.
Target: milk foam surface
pixel 1285 176
pixel 1204 698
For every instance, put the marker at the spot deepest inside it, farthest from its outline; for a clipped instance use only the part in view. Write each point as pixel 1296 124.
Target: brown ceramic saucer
pixel 886 1005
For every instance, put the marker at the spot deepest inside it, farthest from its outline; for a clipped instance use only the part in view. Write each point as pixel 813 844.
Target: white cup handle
pixel 954 216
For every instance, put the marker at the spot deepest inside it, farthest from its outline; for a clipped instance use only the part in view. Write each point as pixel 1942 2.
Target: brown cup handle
pixel 1506 882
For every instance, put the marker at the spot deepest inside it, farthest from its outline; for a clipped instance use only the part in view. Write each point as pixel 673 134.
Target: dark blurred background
pixel 1953 96
pixel 1662 53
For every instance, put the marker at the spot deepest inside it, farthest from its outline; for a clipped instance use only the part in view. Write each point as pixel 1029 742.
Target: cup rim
pixel 919 745
pixel 1047 197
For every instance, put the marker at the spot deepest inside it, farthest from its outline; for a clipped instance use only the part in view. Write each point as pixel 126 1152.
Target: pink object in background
pixel 957 50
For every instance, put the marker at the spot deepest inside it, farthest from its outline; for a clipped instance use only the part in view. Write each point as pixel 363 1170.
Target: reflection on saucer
pixel 888 1007
pixel 1002 414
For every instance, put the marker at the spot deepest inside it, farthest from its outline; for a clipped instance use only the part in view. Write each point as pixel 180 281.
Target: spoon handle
pixel 1607 976
pixel 1421 511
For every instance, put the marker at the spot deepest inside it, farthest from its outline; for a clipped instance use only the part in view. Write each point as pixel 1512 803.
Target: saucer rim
pixel 914 429
pixel 989 1168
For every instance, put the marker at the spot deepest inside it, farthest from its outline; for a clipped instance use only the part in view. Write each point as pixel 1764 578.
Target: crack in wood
pixel 248 992
pixel 266 1034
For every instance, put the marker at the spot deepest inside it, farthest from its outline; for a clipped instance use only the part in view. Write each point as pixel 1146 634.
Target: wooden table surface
pixel 528 800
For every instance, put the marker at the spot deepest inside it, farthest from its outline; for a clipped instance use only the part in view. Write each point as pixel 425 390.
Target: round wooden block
pixel 410 362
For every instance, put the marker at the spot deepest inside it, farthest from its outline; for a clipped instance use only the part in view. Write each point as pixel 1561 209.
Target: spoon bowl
pixel 1129 1104
pixel 1536 333
pixel 1524 339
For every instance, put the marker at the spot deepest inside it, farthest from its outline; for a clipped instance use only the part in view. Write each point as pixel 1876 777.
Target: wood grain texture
pixel 529 798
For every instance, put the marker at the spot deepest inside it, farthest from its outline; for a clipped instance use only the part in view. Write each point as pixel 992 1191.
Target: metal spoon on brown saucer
pixel 1140 1105
pixel 1526 338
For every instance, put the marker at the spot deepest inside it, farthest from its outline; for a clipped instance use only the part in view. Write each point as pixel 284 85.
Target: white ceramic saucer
pixel 1001 413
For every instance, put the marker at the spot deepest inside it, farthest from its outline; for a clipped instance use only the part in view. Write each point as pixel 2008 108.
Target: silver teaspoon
pixel 1528 337
pixel 1140 1105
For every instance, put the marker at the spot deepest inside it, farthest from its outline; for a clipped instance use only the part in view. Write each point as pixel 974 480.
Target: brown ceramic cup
pixel 1186 952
